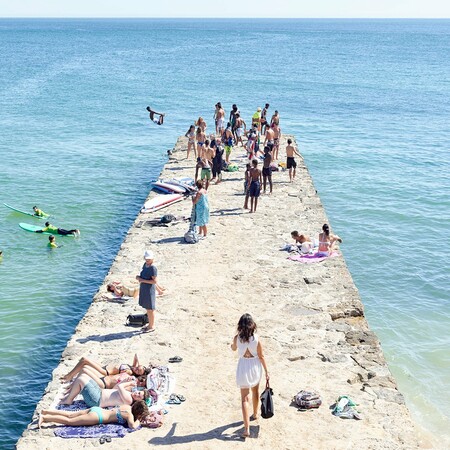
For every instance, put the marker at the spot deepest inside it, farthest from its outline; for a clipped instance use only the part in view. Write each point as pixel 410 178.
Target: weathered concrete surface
pixel 310 319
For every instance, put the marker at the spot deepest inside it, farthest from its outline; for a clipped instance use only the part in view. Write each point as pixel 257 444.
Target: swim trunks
pixel 255 189
pixel 221 123
pixel 206 173
pixel 290 162
pixel 267 172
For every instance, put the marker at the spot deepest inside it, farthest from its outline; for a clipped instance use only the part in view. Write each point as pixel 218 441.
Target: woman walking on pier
pixel 249 369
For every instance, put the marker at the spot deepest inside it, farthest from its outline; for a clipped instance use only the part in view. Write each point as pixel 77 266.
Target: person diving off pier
pixel 158 121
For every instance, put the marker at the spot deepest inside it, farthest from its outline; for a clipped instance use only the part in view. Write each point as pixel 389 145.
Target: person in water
pixel 158 121
pixel 38 212
pixel 52 242
pixel 49 228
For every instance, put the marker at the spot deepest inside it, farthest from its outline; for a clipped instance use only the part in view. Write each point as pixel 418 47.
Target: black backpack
pixel 137 320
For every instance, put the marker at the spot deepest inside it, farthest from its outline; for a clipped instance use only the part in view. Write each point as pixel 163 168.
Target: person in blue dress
pixel 147 290
pixel 200 201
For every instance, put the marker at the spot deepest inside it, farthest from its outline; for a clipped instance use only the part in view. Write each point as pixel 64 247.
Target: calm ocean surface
pixel 367 100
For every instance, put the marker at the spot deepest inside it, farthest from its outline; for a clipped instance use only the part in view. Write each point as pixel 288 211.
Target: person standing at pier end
pixel 147 290
pixel 290 160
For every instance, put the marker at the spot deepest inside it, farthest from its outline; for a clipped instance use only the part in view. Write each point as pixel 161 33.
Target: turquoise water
pixel 367 100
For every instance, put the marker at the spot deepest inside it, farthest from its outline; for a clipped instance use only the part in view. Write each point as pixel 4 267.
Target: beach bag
pixel 191 237
pixel 307 400
pixel 232 168
pixel 267 402
pixel 167 218
pixel 137 320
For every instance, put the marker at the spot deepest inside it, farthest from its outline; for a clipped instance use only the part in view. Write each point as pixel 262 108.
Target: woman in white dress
pixel 249 369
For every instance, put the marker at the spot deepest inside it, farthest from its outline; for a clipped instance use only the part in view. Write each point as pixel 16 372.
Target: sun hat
pixel 259 108
pixel 148 254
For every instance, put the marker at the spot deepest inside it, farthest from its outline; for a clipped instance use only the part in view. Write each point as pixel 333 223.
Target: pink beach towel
pixel 308 259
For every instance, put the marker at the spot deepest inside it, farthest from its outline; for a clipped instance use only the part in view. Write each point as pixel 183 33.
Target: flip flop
pixel 102 440
pixel 175 359
pixel 173 400
pixel 108 438
pixel 180 397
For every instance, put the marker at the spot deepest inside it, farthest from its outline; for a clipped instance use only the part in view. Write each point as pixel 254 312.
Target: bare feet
pixel 246 434
pixel 254 417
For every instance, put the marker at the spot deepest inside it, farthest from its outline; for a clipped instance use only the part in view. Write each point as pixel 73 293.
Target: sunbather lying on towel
pixel 111 381
pixel 136 369
pixel 123 415
pixel 94 396
pixel 120 290
pixel 158 121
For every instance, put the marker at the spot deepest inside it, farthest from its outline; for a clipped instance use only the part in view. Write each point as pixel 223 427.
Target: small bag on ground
pixel 137 320
pixel 267 402
pixel 307 400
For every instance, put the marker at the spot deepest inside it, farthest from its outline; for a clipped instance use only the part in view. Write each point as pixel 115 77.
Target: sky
pixel 227 8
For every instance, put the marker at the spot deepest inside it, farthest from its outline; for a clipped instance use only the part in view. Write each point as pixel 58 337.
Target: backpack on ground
pixel 307 400
pixel 137 320
pixel 191 236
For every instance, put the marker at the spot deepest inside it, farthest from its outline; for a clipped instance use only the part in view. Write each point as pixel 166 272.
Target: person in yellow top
pixel 49 228
pixel 52 242
pixel 38 212
pixel 256 119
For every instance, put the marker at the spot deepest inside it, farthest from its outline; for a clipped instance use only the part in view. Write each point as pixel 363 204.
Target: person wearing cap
pixel 256 118
pixel 147 291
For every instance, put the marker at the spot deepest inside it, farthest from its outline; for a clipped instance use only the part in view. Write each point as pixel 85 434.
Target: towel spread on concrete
pixel 308 259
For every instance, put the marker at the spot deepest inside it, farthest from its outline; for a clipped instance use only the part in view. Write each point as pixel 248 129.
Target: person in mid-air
pixel 158 121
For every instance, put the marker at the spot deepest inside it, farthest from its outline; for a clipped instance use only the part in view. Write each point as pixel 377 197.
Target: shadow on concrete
pixel 216 433
pixel 109 337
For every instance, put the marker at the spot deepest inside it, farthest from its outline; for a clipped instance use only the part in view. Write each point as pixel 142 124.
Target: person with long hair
pixel 132 416
pixel 190 134
pixel 249 369
pixel 201 205
pixel 123 415
pixel 135 369
pixel 327 241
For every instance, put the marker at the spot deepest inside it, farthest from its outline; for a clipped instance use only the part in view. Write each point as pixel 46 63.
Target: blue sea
pixel 368 101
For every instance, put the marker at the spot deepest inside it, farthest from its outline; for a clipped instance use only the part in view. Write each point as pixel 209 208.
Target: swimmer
pixel 159 121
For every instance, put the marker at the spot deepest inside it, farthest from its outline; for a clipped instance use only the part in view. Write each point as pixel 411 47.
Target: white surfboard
pixel 160 201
